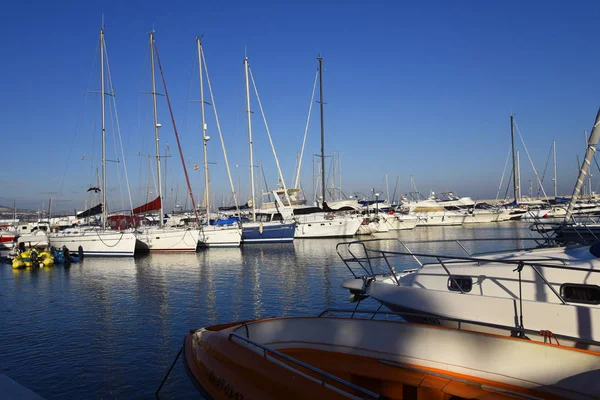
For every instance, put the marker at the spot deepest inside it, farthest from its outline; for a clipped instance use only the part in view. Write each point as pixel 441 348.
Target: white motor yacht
pixel 549 289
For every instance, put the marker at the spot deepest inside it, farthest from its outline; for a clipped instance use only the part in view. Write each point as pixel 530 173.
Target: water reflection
pixel 84 331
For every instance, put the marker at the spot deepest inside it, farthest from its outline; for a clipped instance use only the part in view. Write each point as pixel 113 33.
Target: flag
pixel 195 167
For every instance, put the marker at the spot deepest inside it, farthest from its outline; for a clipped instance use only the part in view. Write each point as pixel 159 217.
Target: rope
pixel 270 138
pixel 530 160
pixel 104 243
pixel 501 179
pixel 548 336
pixel 545 168
pixel 212 99
pixel 168 372
pixel 187 178
pixel 77 123
pixel 312 98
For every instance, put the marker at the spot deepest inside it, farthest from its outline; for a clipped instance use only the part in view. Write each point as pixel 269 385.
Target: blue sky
pixel 423 88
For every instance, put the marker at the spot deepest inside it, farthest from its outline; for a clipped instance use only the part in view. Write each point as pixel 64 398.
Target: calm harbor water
pixel 110 328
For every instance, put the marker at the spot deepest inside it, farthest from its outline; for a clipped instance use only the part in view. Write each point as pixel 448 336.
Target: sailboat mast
pixel 340 173
pixel 104 213
pixel 514 161
pixel 585 167
pixel 589 173
pixel 250 139
pixel 322 128
pixel 156 127
pixel 387 188
pixel 555 184
pixel 204 137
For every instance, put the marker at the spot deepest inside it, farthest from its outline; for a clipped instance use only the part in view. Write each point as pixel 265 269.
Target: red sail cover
pixel 154 205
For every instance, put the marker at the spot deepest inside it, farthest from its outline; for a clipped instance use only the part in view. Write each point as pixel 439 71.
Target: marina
pixel 97 321
pixel 166 232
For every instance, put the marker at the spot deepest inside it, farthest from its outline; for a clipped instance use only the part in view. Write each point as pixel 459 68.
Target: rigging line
pixel 187 178
pixel 287 196
pixel 91 172
pixel 545 168
pixel 530 160
pixel 112 117
pixel 503 172
pixel 114 102
pixel 112 123
pixel 312 99
pixel 78 121
pixel 510 178
pixel 214 106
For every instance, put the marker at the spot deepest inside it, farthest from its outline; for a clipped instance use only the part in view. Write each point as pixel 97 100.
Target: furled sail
pixel 91 211
pixel 154 205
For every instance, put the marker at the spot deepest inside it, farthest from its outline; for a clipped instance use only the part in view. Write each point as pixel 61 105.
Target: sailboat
pixel 271 231
pixel 213 235
pixel 161 238
pixel 97 240
pixel 313 222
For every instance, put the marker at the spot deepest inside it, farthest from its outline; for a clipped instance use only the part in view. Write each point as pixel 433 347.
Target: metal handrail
pixel 459 321
pixel 324 375
pixel 486 260
pixel 384 254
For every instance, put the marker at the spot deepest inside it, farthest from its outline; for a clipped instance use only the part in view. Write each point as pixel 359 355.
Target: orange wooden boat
pixel 329 357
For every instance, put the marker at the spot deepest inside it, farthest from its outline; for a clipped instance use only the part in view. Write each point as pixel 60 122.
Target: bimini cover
pixel 307 210
pixel 91 211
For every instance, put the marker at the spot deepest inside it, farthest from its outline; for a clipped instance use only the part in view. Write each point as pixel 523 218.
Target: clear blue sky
pixel 424 88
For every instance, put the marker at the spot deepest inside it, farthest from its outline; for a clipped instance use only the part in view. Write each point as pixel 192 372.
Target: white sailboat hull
pixel 440 218
pixel 400 222
pixel 95 242
pixel 486 216
pixel 166 239
pixel 320 226
pixel 216 236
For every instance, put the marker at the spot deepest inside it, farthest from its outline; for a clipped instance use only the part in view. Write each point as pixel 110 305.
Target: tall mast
pixel 250 138
pixel 555 184
pixel 322 129
pixel 589 173
pixel 340 173
pixel 205 138
pixel 514 161
pixel 585 167
pixel 104 213
pixel 156 127
pixel 387 189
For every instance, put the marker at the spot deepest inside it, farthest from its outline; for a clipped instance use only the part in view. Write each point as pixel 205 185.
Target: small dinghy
pixel 31 258
pixel 331 356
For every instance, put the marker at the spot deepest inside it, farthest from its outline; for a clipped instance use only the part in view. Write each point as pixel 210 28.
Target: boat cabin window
pixel 277 217
pixel 263 217
pixel 460 282
pixel 578 293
